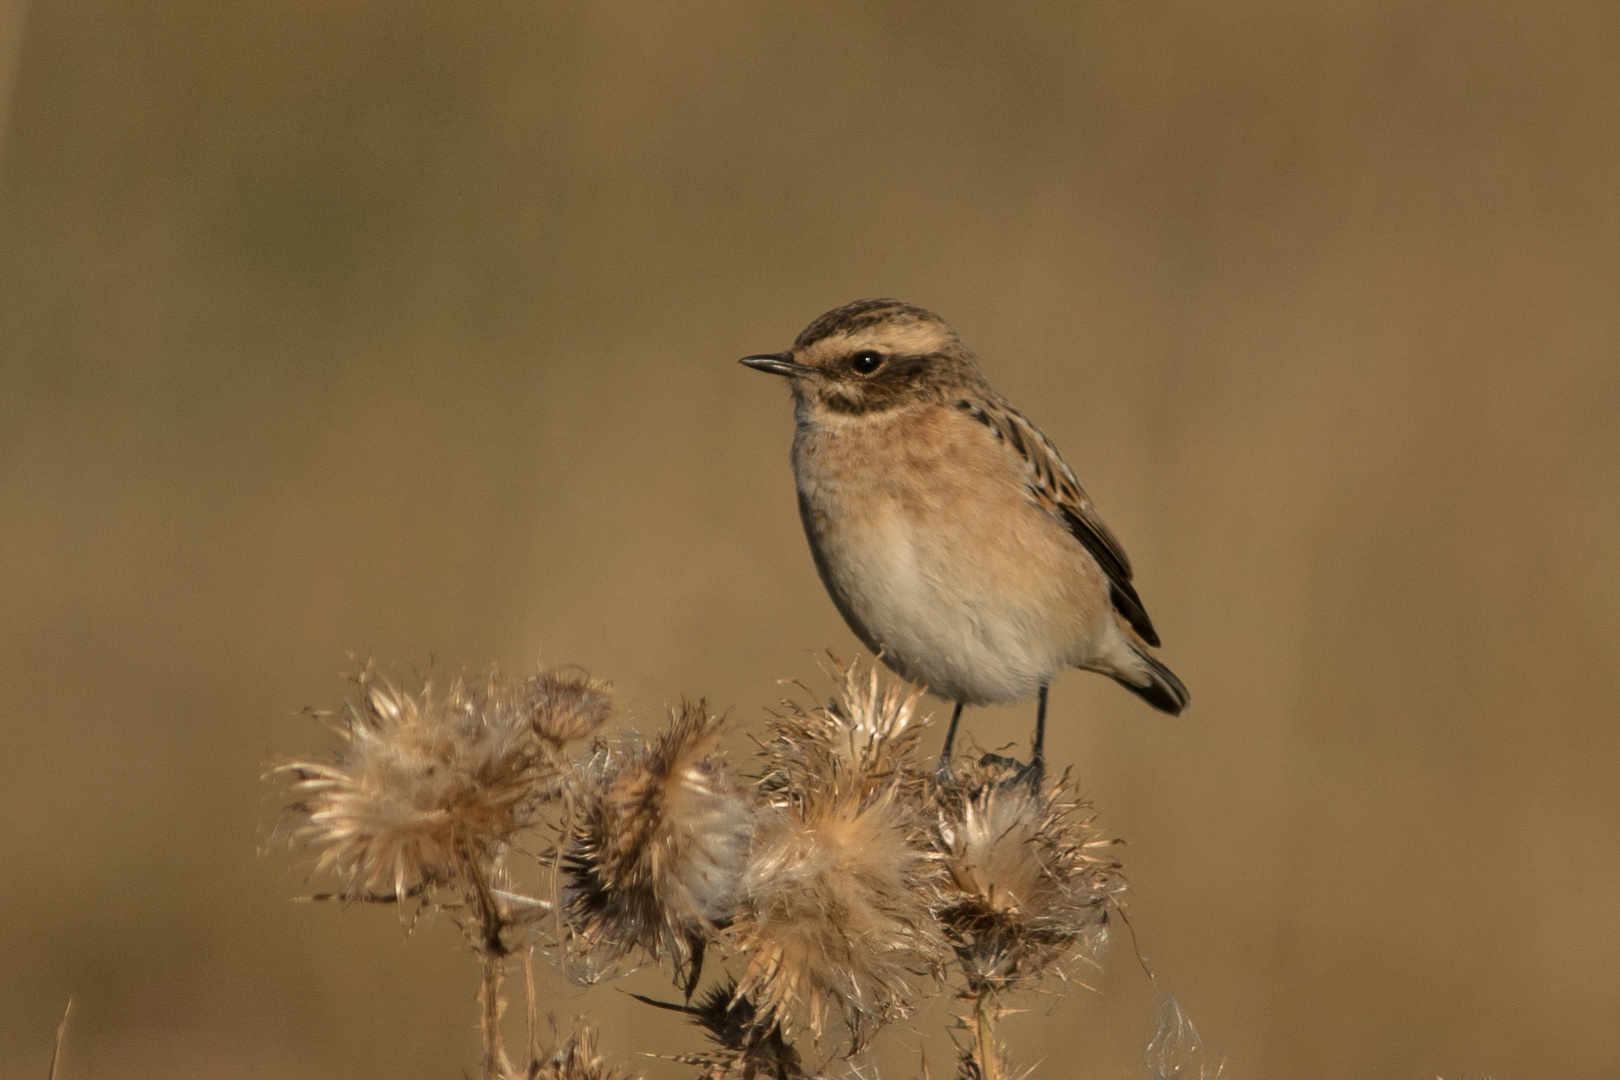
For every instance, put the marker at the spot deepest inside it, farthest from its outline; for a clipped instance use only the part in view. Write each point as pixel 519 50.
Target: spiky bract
pixel 870 731
pixel 1028 880
pixel 575 1058
pixel 657 856
pixel 747 1044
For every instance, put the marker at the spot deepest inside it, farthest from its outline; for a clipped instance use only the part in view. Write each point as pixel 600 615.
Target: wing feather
pixel 1052 485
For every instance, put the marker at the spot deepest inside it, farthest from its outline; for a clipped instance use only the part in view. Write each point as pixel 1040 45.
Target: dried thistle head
pixel 575 1058
pixel 1028 880
pixel 836 919
pixel 429 785
pixel 870 731
pixel 657 855
pixel 567 705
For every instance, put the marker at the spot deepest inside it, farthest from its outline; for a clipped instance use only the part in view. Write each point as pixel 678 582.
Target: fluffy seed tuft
pixel 567 705
pixel 1027 879
pixel 836 920
pixel 1177 1052
pixel 657 858
pixel 429 786
pixel 870 732
pixel 836 912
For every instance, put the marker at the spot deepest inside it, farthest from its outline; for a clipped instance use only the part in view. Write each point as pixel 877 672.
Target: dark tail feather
pixel 1164 693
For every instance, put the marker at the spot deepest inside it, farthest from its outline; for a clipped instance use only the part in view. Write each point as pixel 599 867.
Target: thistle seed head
pixel 869 732
pixel 657 857
pixel 836 916
pixel 1028 881
pixel 567 705
pixel 429 784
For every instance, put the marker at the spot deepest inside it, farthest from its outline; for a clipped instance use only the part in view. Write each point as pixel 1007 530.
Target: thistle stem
pixel 489 946
pixel 985 1011
pixel 531 1011
pixel 496 1066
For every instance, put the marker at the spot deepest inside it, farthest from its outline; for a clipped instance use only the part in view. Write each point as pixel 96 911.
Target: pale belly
pixel 973 614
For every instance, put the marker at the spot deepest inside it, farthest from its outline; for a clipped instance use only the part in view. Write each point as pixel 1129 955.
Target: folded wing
pixel 1053 487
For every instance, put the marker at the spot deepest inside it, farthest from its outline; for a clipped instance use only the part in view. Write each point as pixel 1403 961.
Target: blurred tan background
pixel 410 329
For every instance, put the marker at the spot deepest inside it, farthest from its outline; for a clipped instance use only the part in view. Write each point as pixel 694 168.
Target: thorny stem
pixel 490 921
pixel 496 1067
pixel 984 1048
pixel 532 1013
pixel 494 952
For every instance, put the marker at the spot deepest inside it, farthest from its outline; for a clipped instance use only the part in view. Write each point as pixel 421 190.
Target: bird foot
pixel 1032 775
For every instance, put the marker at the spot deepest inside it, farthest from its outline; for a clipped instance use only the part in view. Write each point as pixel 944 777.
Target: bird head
pixel 872 356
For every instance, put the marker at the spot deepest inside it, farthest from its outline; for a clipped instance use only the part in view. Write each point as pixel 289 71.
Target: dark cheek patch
pixel 839 401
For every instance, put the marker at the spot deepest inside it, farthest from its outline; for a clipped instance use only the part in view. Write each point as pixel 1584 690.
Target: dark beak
pixel 777 363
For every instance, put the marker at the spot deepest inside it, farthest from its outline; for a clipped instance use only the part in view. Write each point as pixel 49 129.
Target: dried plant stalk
pixel 61 1037
pixel 986 1058
pixel 490 1007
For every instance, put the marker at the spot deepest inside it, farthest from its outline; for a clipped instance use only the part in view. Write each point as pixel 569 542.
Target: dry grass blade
pixel 61 1037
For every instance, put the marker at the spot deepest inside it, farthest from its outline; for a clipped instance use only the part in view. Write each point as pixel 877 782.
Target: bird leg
pixel 1035 772
pixel 944 768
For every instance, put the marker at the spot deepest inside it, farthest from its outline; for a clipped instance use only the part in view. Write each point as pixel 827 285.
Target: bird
pixel 949 532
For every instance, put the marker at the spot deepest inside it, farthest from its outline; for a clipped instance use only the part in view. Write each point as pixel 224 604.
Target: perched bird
pixel 952 537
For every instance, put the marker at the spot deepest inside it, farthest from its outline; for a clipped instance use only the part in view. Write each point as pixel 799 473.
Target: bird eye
pixel 866 361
